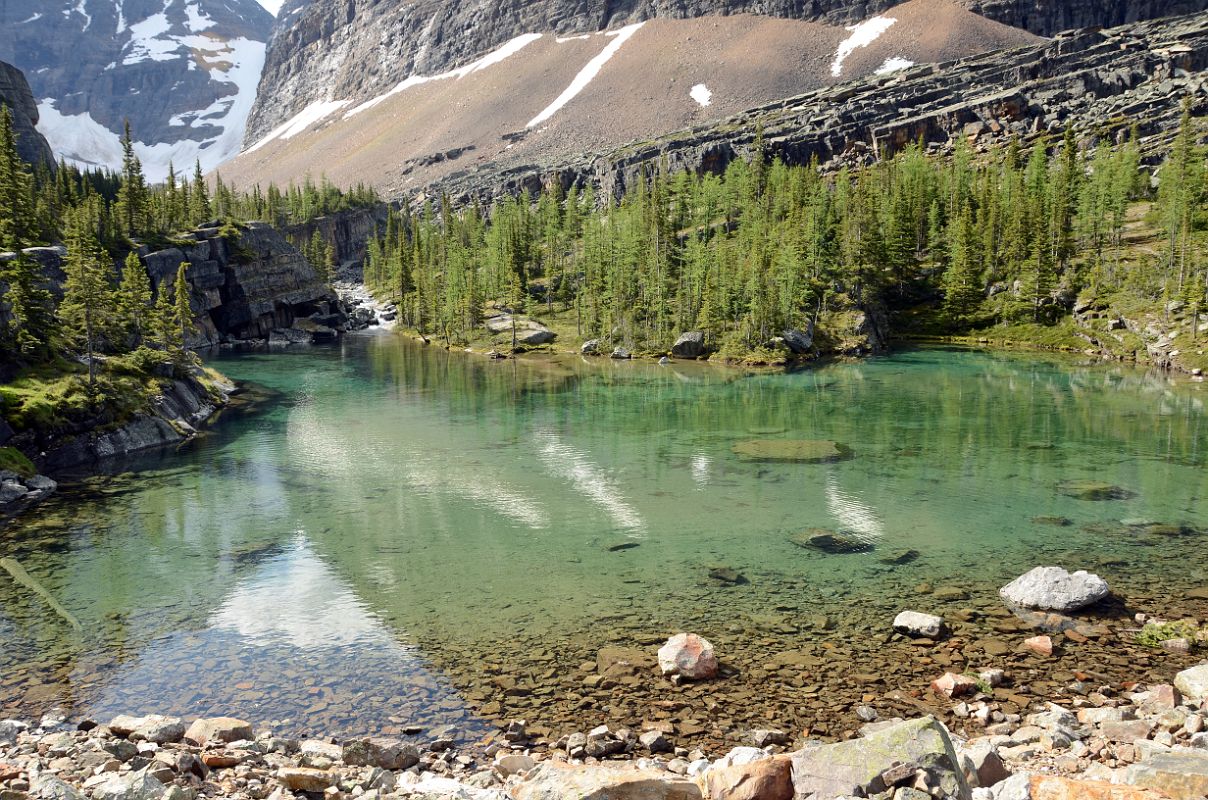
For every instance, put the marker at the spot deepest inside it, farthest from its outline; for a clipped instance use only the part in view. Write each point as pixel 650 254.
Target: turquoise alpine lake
pixel 403 538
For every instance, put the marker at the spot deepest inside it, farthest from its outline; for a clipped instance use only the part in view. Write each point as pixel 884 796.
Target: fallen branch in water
pixel 29 582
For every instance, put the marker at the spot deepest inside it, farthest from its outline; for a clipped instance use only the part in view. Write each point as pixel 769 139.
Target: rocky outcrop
pixel 1105 80
pixel 15 93
pixel 245 287
pixel 172 417
pixel 348 232
pixel 183 74
pixel 361 48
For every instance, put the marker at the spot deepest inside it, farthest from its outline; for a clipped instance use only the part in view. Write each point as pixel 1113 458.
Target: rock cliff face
pixel 240 289
pixel 1102 80
pixel 15 93
pixel 326 49
pixel 244 289
pixel 183 72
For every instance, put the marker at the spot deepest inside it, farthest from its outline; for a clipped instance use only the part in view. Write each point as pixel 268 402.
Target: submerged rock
pixel 796 451
pixel 687 655
pixel 914 623
pixel 727 575
pixel 1094 490
pixel 1054 589
pixel 833 542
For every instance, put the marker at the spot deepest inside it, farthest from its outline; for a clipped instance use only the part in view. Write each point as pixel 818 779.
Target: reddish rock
pixel 222 730
pixel 1050 787
pixel 8 772
pixel 766 779
pixel 1040 645
pixel 951 684
pixel 220 759
pixel 304 779
pixel 1165 696
pixel 688 656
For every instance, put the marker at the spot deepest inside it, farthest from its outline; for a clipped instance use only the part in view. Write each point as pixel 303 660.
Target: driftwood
pixel 29 582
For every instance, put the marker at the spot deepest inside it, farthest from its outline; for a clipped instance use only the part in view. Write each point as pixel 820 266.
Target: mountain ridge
pixel 325 49
pixel 183 72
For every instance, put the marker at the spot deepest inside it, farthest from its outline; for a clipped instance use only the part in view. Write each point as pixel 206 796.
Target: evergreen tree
pixel 134 299
pixel 87 310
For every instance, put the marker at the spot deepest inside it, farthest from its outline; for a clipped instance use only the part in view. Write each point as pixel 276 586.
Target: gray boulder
pixel 49 787
pixel 590 348
pixel 378 751
pixel 621 352
pixel 689 345
pixel 901 754
pixel 1054 589
pixel 1193 683
pixel 800 342
pixel 917 624
pixel 131 786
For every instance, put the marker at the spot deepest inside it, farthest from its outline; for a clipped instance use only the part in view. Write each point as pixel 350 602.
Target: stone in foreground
pixel 1051 787
pixel 687 655
pixel 1193 683
pixel 218 729
pixel 1054 589
pixel 950 684
pixel 1182 775
pixel 151 728
pixel 766 779
pixel 305 779
pixel 918 624
pixel 379 751
pixel 792 451
pixel 553 781
pixel 886 758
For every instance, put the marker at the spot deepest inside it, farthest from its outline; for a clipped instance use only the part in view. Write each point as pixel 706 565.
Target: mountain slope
pixel 15 93
pixel 541 95
pixel 184 72
pixel 323 49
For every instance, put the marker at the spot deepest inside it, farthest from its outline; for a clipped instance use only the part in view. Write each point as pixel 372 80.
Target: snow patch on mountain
pixel 312 114
pixel 701 94
pixel 83 140
pixel 510 48
pixel 588 73
pixel 894 64
pixel 862 35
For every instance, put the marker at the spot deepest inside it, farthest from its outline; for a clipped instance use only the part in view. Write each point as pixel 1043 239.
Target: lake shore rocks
pixel 1144 744
pixel 688 656
pixel 1054 589
pixel 914 623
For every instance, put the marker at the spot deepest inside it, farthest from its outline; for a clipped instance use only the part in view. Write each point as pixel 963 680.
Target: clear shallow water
pixel 404 526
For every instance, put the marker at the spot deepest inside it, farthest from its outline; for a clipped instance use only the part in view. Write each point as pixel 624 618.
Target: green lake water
pixel 347 557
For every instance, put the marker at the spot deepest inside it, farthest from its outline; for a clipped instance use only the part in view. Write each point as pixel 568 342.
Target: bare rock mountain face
pixel 183 72
pixel 543 95
pixel 326 50
pixel 15 93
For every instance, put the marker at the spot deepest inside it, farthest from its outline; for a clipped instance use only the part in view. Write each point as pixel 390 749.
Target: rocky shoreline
pixel 176 415
pixel 1115 740
pixel 1142 743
